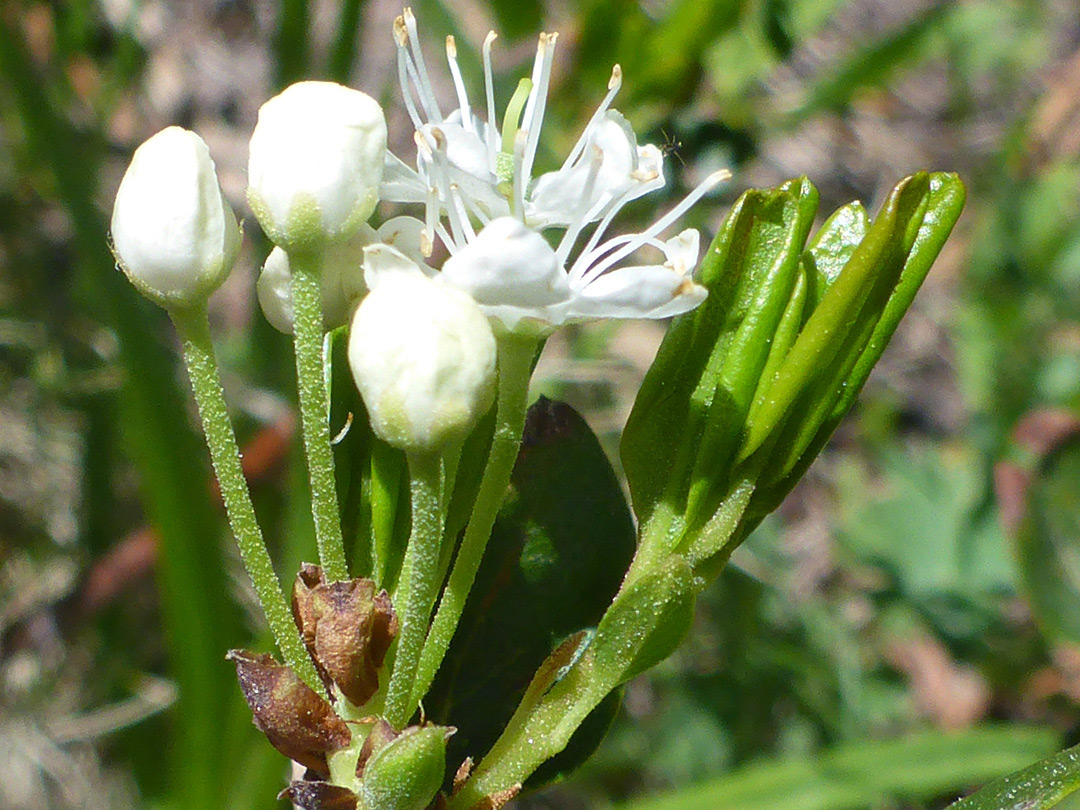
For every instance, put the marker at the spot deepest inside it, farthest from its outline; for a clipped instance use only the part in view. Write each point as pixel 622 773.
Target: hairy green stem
pixel 515 366
pixel 194 330
pixel 420 582
pixel 314 410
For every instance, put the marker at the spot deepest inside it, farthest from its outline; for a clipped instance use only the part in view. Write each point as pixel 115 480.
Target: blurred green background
pixel 906 627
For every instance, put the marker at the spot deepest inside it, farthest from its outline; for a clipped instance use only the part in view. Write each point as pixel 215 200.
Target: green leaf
pixel 844 308
pixel 708 366
pixel 827 402
pixel 866 774
pixel 556 557
pixel 645 623
pixel 1037 787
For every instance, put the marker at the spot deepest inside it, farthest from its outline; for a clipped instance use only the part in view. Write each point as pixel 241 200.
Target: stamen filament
pixel 703 188
pixel 580 217
pixel 534 111
pixel 459 84
pixel 614 83
pixel 427 94
pixel 489 91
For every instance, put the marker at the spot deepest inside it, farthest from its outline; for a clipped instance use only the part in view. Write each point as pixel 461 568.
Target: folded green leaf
pixel 703 381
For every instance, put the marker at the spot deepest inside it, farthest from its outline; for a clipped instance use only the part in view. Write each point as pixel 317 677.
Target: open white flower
pixel 476 176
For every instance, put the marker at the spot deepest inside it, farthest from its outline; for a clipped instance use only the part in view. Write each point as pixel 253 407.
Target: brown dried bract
pixel 381 735
pixel 295 720
pixel 347 628
pixel 319 796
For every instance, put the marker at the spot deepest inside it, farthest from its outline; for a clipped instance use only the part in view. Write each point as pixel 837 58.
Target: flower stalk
pixel 314 410
pixel 515 366
pixel 194 330
pixel 419 582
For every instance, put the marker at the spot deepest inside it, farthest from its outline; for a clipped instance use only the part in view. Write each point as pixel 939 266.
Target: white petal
pixel 650 291
pixel 382 262
pixel 174 234
pixel 557 197
pixel 682 251
pixel 403 234
pixel 465 149
pixel 423 356
pixel 508 264
pixel 400 182
pixel 342 283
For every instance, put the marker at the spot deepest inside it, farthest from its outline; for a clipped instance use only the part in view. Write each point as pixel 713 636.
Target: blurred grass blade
pixel 866 774
pixel 1036 491
pixel 871 65
pixel 343 51
pixel 1040 786
pixel 291 42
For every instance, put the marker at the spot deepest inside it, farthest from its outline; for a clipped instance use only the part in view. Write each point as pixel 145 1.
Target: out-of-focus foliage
pixel 887 598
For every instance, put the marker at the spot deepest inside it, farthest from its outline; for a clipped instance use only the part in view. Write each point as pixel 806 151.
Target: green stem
pixel 194 330
pixel 420 582
pixel 314 411
pixel 515 366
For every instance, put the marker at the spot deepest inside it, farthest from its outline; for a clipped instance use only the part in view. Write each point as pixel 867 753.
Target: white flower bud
pixel 342 282
pixel 315 163
pixel 423 357
pixel 173 233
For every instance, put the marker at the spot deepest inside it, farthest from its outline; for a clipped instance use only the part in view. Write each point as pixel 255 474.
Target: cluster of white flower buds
pixel 422 345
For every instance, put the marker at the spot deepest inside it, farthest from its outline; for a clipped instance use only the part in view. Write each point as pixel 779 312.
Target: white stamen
pixel 614 83
pixel 431 220
pixel 580 216
pixel 534 110
pixel 447 187
pixel 459 84
pixel 489 91
pixel 581 264
pixel 459 205
pixel 423 88
pixel 519 175
pixel 703 188
pixel 404 65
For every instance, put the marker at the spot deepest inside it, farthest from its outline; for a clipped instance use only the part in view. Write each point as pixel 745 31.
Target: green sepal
pixel 688 416
pixel 408 772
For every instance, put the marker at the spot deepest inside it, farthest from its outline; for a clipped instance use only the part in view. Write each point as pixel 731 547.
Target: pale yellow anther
pixel 451 46
pixel 616 78
pixel 401 33
pixel 491 37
